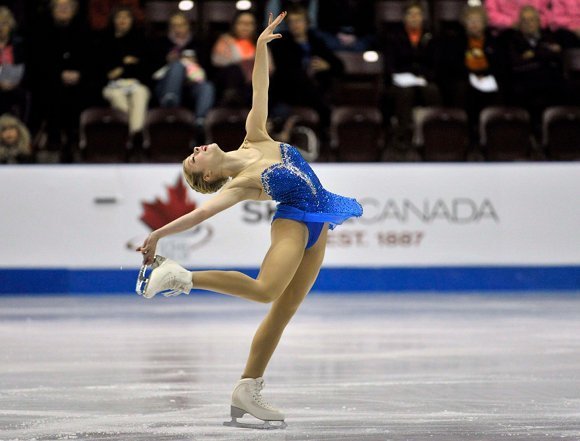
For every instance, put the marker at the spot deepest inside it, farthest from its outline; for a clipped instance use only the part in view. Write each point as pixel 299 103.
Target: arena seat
pixel 226 127
pixel 505 133
pixel 356 133
pixel 169 134
pixel 104 135
pixel 447 15
pixel 362 80
pixel 571 59
pixel 561 132
pixel 441 133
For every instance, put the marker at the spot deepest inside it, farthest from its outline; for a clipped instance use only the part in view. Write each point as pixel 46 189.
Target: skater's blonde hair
pixel 196 181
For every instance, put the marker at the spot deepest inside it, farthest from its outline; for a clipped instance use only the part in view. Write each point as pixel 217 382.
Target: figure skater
pixel 261 169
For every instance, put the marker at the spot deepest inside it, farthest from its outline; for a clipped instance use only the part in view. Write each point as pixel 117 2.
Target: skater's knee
pixel 267 293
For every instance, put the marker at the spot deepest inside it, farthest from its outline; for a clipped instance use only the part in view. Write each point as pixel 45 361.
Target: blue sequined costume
pixel 301 197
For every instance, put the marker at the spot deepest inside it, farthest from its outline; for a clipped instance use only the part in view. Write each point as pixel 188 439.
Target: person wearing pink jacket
pixel 504 14
pixel 566 14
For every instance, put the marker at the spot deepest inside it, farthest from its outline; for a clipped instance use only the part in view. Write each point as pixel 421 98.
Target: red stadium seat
pixel 226 127
pixel 169 134
pixel 357 133
pixel 561 132
pixel 442 133
pixel 505 133
pixel 104 135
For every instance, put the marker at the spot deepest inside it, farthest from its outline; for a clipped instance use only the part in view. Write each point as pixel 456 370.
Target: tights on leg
pixel 283 309
pixel 281 262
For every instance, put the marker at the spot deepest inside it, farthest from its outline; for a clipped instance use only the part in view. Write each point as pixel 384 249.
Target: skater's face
pixel 204 159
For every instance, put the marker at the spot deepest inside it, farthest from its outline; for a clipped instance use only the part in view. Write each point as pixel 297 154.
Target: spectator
pixel 233 58
pixel 14 141
pixel 277 6
pixel 535 64
pixel 410 71
pixel 100 11
pixel 504 14
pixel 125 65
pixel 59 68
pixel 305 67
pixel 12 96
pixel 470 66
pixel 178 68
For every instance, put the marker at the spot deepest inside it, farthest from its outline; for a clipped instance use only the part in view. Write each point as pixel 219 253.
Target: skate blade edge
pixel 264 425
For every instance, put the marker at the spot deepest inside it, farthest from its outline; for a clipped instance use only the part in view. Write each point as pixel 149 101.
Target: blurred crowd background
pixel 144 81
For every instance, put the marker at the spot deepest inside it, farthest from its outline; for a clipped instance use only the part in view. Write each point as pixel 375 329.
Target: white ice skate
pixel 166 277
pixel 247 398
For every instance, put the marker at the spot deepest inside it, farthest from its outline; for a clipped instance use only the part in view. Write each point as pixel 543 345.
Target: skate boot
pixel 247 398
pixel 166 277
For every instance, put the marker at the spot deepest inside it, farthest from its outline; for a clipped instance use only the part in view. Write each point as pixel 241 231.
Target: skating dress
pixel 301 197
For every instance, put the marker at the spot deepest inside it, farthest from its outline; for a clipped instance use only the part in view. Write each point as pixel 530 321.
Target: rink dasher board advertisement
pixel 415 215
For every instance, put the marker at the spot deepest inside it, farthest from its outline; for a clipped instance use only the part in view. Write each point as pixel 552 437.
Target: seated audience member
pixel 14 141
pixel 126 70
pixel 12 95
pixel 233 59
pixel 536 68
pixel 505 14
pixel 470 66
pixel 100 11
pixel 58 68
pixel 409 72
pixel 305 68
pixel 178 68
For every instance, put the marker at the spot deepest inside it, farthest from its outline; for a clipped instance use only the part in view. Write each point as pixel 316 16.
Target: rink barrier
pixel 331 280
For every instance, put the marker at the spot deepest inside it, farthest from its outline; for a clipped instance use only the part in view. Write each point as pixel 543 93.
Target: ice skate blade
pixel 143 277
pixel 265 425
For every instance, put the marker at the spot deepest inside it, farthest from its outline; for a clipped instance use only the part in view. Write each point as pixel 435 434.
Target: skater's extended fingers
pixel 278 20
pixel 269 19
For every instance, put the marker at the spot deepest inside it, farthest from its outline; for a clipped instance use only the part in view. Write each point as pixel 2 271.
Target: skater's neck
pixel 238 160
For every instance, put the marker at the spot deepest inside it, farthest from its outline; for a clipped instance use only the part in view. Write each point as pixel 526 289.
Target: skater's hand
pixel 268 34
pixel 148 249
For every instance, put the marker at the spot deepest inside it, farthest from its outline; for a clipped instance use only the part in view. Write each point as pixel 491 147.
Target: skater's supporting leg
pixel 270 330
pixel 279 266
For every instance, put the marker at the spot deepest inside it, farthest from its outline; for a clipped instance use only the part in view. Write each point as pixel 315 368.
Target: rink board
pixel 426 227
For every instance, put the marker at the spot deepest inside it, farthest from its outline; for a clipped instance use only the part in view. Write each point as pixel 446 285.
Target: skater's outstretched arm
pixel 223 200
pixel 256 121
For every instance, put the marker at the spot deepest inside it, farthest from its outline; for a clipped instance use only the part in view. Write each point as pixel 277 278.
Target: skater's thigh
pixel 284 255
pixel 304 277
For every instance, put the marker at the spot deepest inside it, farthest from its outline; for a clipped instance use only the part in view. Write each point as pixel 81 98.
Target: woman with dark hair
pixel 125 66
pixel 233 58
pixel 261 169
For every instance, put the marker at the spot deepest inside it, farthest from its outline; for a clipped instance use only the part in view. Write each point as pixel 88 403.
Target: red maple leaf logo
pixel 157 214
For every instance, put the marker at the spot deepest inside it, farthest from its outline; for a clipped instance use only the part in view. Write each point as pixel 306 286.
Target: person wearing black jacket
pixel 536 66
pixel 58 67
pixel 409 49
pixel 178 66
pixel 305 67
pixel 466 59
pixel 126 69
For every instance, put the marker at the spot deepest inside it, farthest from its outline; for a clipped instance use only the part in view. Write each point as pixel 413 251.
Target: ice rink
pixel 349 367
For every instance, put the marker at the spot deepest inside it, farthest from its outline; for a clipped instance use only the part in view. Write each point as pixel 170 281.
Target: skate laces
pixel 257 396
